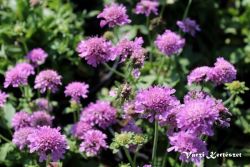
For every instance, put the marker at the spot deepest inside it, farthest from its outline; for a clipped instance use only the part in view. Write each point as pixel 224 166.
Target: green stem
pixel 129 157
pixel 229 100
pixel 155 143
pixel 47 161
pixel 114 71
pixel 4 138
pixel 187 9
pixel 136 153
pixel 160 68
pixel 165 159
pixel 163 9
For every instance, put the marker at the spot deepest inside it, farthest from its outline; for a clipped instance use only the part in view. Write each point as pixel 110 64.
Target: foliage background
pixel 58 25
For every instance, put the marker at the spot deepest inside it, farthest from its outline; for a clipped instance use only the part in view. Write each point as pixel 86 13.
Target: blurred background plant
pixel 58 25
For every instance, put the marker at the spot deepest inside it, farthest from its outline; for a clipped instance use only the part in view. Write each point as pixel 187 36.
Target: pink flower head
pixel 186 143
pixel 40 118
pixel 169 43
pixel 18 75
pixel 199 74
pixel 189 26
pixel 222 72
pixel 37 56
pixel 146 7
pixel 96 50
pixel 155 102
pixel 76 90
pixel 114 14
pixel 100 113
pixel 93 142
pixel 20 120
pixel 3 97
pixel 47 80
pixel 46 141
pixel 80 128
pixel 20 137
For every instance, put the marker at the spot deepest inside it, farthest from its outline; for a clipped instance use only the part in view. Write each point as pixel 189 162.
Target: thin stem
pixel 136 153
pixel 160 68
pixel 129 157
pixel 187 9
pixel 155 143
pixel 162 10
pixel 229 100
pixel 165 157
pixel 47 161
pixel 114 71
pixel 4 138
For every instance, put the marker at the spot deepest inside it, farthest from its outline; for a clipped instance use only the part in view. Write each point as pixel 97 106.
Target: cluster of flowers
pixel 97 50
pixel 186 121
pixel 222 72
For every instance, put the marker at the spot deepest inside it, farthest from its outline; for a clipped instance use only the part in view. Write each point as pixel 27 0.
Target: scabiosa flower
pixel 96 50
pixel 169 43
pixel 40 118
pixel 188 26
pixel 37 56
pixel 146 7
pixel 186 144
pixel 48 141
pixel 20 137
pixel 93 142
pixel 47 80
pixel 126 47
pixel 199 74
pixel 18 75
pixel 42 104
pixel 197 116
pixel 114 14
pixel 131 127
pixel 80 128
pixel 20 120
pixel 100 113
pixel 222 72
pixel 76 90
pixel 154 102
pixel 195 94
pixel 3 97
pixel 129 110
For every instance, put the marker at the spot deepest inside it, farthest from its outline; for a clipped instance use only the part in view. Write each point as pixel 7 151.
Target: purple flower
pixel 37 56
pixel 47 80
pixel 80 128
pixel 18 75
pixel 147 165
pixel 131 127
pixel 96 50
pixel 169 43
pixel 186 144
pixel 76 90
pixel 136 73
pixel 20 137
pixel 198 74
pixel 48 141
pixel 114 14
pixel 155 102
pixel 146 7
pixel 100 113
pixel 40 118
pixel 198 114
pixel 20 120
pixel 3 97
pixel 222 72
pixel 126 47
pixel 42 104
pixel 129 110
pixel 93 142
pixel 189 26
pixel 194 94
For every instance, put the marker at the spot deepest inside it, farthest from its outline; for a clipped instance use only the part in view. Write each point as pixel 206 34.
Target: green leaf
pixel 4 150
pixel 9 112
